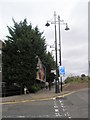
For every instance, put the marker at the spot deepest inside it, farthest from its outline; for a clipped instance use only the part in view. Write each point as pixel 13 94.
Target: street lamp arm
pixel 57 22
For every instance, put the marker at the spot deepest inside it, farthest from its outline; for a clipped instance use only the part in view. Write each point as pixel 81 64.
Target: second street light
pixel 56 79
pixel 60 44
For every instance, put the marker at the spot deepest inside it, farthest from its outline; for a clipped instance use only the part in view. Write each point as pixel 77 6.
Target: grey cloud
pixel 74 42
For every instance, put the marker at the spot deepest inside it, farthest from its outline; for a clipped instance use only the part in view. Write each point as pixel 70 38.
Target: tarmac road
pixel 76 104
pixel 73 105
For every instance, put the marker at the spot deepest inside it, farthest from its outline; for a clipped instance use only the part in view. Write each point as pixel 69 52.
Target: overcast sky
pixel 74 42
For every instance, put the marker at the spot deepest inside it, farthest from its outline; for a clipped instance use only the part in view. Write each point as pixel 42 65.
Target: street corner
pixel 64 95
pixel 37 99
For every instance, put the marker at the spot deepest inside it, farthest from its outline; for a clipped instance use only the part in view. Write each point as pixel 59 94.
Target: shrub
pixel 34 89
pixel 83 75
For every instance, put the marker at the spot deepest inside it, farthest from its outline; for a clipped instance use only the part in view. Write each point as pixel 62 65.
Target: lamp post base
pixel 57 87
pixel 61 84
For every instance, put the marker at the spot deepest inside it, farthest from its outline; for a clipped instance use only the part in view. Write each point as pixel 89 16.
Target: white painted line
pixel 56 110
pixel 62 106
pixel 57 113
pixel 60 101
pixel 55 106
pixel 21 116
pixel 65 115
pixel 54 98
pixel 69 117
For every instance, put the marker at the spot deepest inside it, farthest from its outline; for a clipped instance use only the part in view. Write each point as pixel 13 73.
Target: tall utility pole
pixel 59 40
pixel 60 48
pixel 60 62
pixel 56 82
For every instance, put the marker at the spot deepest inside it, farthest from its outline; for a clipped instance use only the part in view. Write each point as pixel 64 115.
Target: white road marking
pixel 57 114
pixel 62 106
pixel 65 115
pixel 69 117
pixel 21 116
pixel 60 101
pixel 54 98
pixel 56 110
pixel 55 106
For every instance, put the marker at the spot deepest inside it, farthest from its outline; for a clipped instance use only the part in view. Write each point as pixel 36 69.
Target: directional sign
pixel 62 71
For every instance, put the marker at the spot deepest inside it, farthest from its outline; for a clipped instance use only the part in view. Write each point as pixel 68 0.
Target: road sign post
pixel 62 73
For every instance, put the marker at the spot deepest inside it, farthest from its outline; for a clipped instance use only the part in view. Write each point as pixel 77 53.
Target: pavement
pixel 44 94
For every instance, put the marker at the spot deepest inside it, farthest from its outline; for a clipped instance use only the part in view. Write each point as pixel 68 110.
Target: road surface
pixel 74 105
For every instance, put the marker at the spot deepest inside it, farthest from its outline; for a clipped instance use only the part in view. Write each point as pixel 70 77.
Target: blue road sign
pixel 62 71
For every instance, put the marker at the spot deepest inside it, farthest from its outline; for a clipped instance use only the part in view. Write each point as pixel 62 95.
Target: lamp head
pixel 67 28
pixel 47 24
